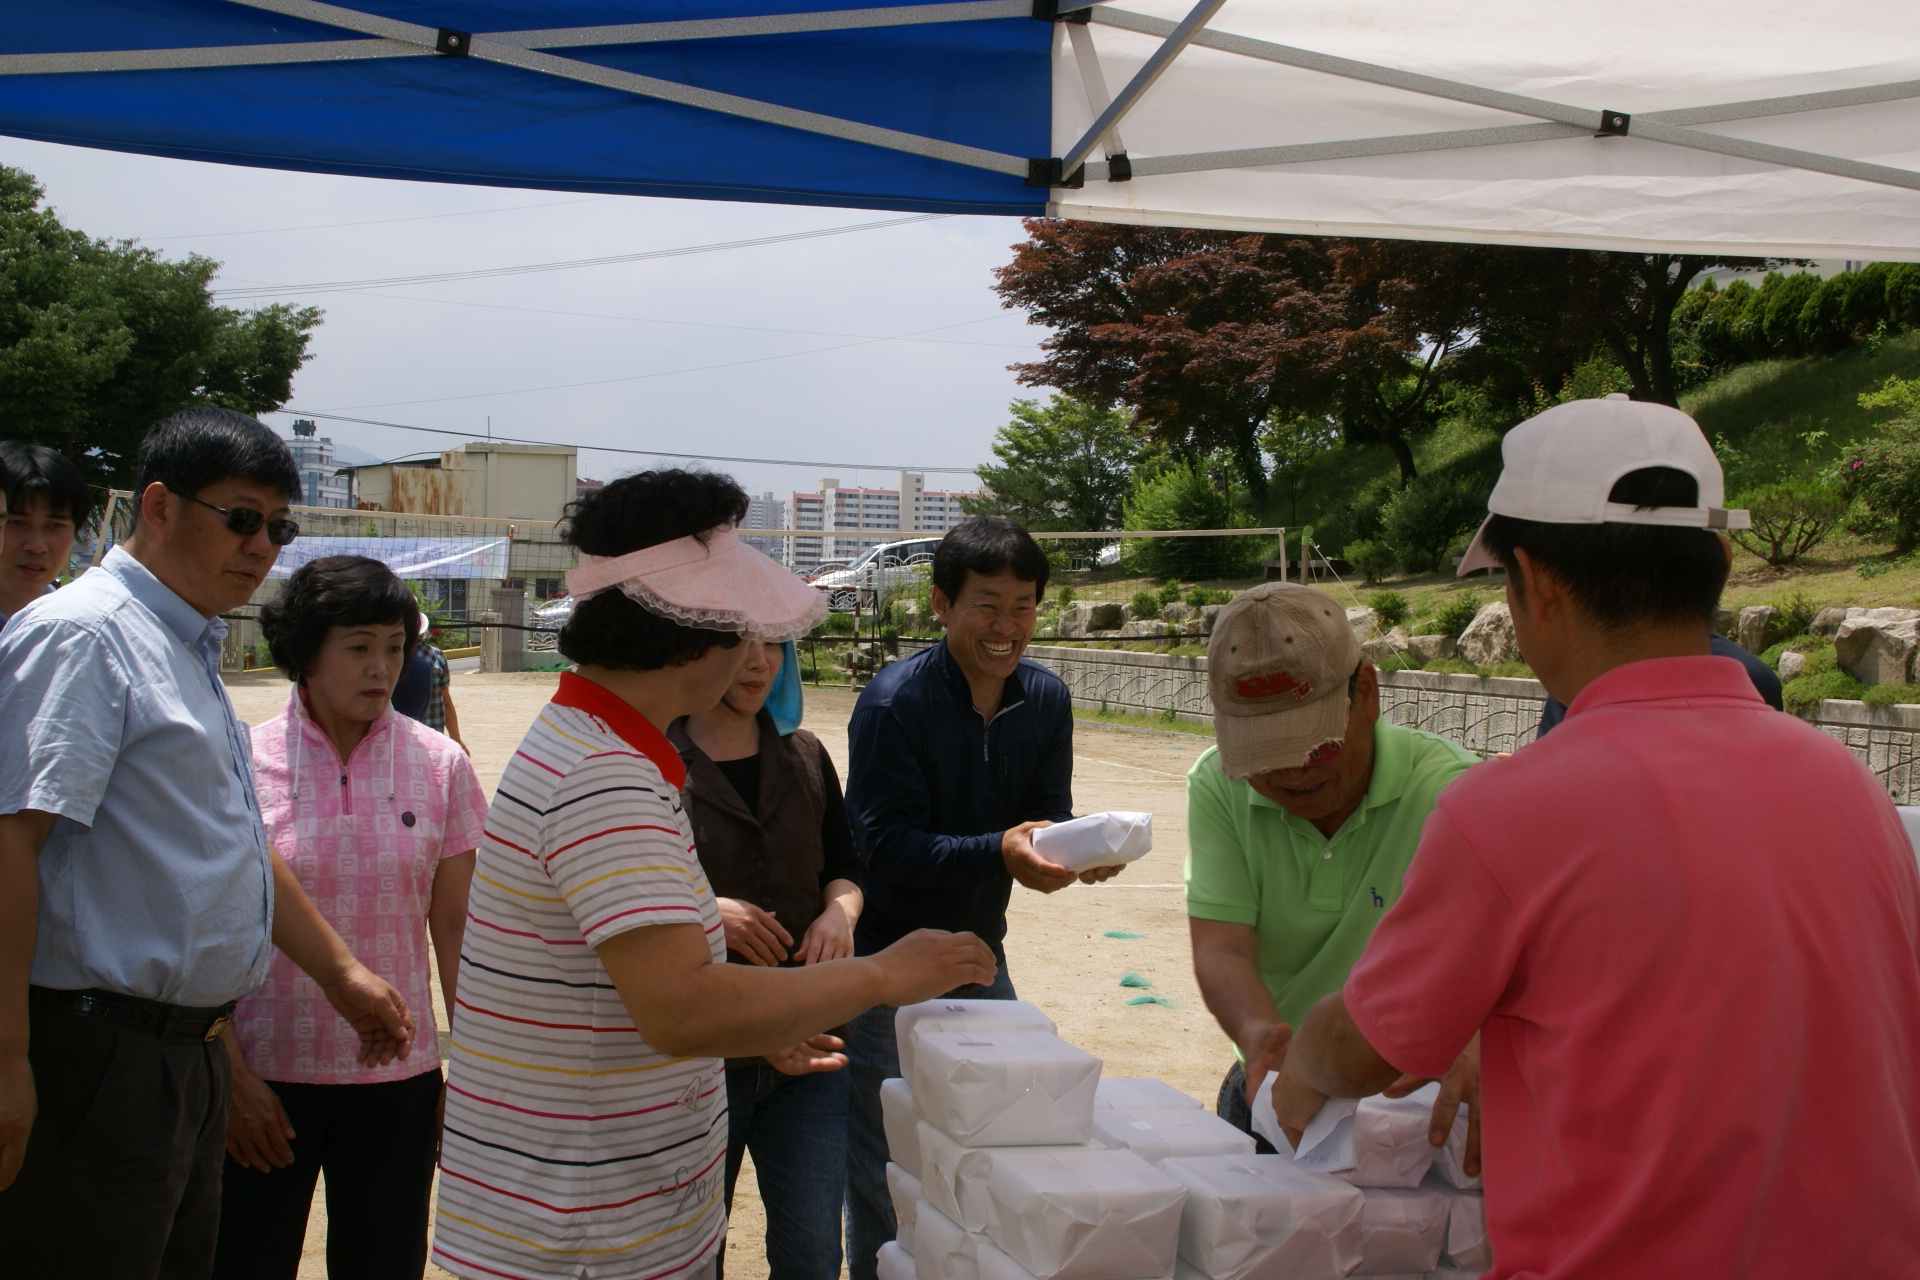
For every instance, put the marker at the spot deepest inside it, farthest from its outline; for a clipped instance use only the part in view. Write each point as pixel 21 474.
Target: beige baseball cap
pixel 1278 663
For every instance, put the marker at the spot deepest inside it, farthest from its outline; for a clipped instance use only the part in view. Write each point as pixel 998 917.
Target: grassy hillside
pixel 1768 404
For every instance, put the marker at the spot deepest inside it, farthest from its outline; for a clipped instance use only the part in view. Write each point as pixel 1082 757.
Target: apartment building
pixel 846 515
pixel 765 511
pixel 313 455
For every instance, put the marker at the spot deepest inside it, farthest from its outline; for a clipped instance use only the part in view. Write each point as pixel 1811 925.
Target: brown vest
pixel 772 858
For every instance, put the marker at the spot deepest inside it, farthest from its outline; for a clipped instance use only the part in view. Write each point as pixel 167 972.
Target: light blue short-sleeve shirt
pixel 155 879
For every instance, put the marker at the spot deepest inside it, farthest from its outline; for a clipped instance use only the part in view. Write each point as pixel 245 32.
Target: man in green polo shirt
pixel 1300 821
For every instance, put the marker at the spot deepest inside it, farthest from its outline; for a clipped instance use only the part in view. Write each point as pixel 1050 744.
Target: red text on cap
pixel 1272 685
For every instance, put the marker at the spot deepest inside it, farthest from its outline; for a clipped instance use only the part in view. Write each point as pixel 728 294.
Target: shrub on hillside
pixel 1063 596
pixel 1882 478
pixel 1182 497
pixel 1457 614
pixel 1790 518
pixel 1145 605
pixel 1423 521
pixel 1371 557
pixel 1200 597
pixel 1391 606
pixel 1797 612
pixel 1169 592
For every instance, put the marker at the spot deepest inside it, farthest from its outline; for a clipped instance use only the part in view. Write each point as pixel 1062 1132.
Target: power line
pixel 381 222
pixel 664 373
pixel 490 273
pixel 641 453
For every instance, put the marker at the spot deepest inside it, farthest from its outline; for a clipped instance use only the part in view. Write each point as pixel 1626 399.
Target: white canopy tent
pixel 1707 126
pixel 1734 127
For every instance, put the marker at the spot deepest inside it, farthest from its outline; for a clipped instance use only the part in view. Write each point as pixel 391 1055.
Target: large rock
pixel 1724 621
pixel 1145 629
pixel 1828 620
pixel 1365 623
pixel 1380 648
pixel 1757 627
pixel 1176 612
pixel 1489 637
pixel 1109 615
pixel 1083 617
pixel 1208 612
pixel 1427 650
pixel 1792 664
pixel 1877 645
pixel 1073 620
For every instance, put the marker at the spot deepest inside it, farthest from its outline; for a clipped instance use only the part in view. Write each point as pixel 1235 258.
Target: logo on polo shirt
pixel 1272 685
pixel 1378 901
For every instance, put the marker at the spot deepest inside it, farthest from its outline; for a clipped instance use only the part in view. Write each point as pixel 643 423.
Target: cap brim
pixel 1256 744
pixel 1477 557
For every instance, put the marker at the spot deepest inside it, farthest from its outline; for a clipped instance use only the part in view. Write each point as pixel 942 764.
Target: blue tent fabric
pixel 983 83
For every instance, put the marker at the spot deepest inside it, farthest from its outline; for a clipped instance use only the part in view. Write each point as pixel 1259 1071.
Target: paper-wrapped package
pixel 895 1263
pixel 961 1015
pixel 1402 1231
pixel 1390 1147
pixel 1450 1161
pixel 1468 1246
pixel 942 1248
pixel 1156 1135
pixel 1004 1088
pixel 1142 1095
pixel 956 1176
pixel 1084 1215
pixel 994 1263
pixel 901 1123
pixel 1265 1218
pixel 904 1188
pixel 1108 839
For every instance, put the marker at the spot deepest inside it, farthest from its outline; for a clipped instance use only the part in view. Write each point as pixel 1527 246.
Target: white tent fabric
pixel 1756 127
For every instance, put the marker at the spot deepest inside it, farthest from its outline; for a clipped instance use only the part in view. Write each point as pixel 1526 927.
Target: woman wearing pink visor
pixel 586 1123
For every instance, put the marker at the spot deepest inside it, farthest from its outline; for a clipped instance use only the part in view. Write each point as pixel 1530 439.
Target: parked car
pixel 878 570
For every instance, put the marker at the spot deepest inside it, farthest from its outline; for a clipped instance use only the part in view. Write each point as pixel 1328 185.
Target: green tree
pixel 1065 465
pixel 1184 497
pixel 1424 519
pixel 1295 442
pixel 99 339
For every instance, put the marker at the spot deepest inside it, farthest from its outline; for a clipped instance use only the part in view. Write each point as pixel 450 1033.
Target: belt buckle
pixel 219 1025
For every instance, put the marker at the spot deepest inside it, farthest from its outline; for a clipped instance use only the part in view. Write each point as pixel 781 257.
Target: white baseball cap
pixel 1559 467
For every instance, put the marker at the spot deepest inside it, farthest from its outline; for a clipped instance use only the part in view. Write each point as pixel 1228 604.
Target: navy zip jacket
pixel 931 785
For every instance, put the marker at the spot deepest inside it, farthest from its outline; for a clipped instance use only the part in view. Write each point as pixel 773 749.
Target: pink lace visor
pixel 720 584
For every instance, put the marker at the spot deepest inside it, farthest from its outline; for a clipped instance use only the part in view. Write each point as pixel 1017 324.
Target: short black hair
pixel 194 448
pixel 643 510
pixel 334 591
pixel 35 471
pixel 988 545
pixel 1625 574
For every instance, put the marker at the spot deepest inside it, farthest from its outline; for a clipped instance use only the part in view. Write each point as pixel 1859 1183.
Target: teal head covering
pixel 784 703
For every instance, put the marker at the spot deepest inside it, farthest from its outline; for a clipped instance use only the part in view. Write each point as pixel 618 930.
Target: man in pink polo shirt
pixel 1686 927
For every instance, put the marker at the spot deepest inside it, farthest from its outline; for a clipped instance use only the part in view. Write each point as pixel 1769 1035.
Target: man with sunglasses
pixel 1300 823
pixel 138 898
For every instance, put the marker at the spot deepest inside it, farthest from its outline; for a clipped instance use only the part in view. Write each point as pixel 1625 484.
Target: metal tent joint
pixel 1049 171
pixel 1063 11
pixel 453 44
pixel 1119 168
pixel 1613 124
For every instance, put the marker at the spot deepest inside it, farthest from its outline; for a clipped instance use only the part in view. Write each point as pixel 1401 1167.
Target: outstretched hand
pixel 810 1056
pixel 931 962
pixel 1026 865
pixel 376 1011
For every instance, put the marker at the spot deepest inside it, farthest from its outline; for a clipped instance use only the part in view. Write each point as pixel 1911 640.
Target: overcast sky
pixel 868 350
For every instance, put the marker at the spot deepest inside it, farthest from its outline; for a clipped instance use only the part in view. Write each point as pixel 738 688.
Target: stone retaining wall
pixel 1487 714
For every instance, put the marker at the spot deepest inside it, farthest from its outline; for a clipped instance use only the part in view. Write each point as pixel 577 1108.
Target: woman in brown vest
pixel 770 824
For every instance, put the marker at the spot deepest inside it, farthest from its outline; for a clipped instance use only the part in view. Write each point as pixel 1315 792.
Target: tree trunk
pixel 1402 452
pixel 1246 457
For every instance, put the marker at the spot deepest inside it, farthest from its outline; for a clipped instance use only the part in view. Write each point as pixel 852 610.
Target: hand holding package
pixel 1402 1231
pixel 1156 1135
pixel 1326 1145
pixel 1450 1161
pixel 961 1015
pixel 1390 1147
pixel 1005 1088
pixel 1084 1215
pixel 1265 1218
pixel 1108 839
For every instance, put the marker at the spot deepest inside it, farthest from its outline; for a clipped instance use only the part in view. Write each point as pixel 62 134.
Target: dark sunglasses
pixel 246 522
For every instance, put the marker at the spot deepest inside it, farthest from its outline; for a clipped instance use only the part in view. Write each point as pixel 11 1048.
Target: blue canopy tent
pixel 1703 127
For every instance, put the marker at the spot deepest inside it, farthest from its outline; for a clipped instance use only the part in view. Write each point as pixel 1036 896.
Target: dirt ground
pixel 1057 948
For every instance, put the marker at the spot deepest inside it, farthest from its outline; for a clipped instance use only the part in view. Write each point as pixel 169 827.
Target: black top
pixel 1765 683
pixel 931 785
pixel 743 775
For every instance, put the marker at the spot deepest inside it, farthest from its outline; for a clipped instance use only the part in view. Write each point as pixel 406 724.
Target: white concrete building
pixel 890 515
pixel 313 454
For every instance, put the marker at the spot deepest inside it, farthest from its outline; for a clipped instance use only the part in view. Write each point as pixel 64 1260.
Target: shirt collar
pixel 582 694
pixel 1670 681
pixel 302 716
pixel 1012 693
pixel 178 616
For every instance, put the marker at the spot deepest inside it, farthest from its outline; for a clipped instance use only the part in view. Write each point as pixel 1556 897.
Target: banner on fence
pixel 414 558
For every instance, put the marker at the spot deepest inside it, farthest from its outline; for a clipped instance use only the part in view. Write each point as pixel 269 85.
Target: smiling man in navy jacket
pixel 956 755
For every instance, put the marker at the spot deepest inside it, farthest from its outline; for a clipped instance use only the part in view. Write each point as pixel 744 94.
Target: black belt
pixel 167 1021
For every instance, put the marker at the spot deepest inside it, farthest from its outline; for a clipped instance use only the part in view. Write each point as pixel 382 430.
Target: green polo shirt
pixel 1313 901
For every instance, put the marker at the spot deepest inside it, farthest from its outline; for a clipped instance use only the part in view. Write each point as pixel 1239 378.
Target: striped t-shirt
pixel 572 1147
